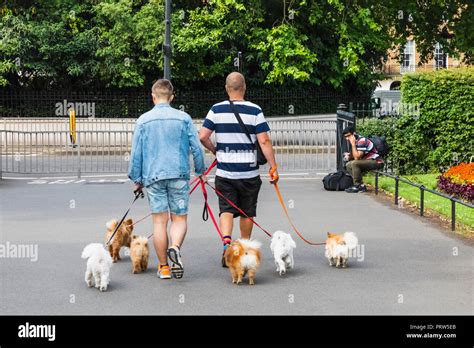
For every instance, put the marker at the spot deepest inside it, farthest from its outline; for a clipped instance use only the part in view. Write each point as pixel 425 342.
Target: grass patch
pixel 442 206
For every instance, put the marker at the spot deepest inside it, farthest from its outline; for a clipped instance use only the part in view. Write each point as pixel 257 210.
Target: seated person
pixel 362 158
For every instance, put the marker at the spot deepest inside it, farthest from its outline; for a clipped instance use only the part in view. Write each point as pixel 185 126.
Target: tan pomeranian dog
pixel 243 256
pixel 338 247
pixel 122 238
pixel 139 253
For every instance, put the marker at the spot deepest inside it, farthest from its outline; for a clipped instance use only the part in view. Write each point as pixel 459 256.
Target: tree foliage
pixel 336 43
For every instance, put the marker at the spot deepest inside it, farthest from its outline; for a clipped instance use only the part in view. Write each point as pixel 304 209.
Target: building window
pixel 408 59
pixel 440 59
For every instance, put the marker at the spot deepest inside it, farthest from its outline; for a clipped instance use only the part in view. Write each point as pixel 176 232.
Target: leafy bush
pixel 441 133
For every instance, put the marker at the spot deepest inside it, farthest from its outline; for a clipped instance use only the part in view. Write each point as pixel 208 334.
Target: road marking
pixel 64 177
pixel 118 178
pixel 79 181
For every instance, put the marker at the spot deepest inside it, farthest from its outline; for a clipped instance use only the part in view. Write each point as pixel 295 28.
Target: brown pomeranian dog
pixel 243 256
pixel 139 253
pixel 122 238
pixel 338 248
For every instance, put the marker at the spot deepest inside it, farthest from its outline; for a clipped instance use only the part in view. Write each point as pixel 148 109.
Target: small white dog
pixel 282 246
pixel 98 265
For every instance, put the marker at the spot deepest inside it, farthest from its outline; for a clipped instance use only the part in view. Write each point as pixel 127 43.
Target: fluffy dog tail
pixel 90 249
pixel 250 243
pixel 351 240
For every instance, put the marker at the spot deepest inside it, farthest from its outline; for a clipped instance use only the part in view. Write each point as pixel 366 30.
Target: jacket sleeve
pixel 196 149
pixel 136 157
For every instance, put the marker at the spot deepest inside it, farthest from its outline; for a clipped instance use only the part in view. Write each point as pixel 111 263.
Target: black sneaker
pixel 356 188
pixel 177 268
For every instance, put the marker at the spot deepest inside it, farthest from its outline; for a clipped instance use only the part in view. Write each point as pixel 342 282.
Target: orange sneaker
pixel 164 272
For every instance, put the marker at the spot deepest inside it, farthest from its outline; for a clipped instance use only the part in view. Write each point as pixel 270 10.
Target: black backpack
pixel 338 181
pixel 380 145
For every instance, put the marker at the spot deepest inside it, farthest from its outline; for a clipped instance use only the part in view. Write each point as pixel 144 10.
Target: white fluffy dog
pixel 98 265
pixel 282 246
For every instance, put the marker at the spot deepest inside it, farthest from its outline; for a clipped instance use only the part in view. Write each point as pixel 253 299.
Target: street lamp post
pixel 167 43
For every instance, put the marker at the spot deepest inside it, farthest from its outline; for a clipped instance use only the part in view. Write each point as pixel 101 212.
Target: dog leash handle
pixel 273 174
pixel 138 193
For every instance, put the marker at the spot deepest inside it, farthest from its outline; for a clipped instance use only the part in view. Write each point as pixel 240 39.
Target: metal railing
pixel 30 124
pixel 52 152
pixel 299 146
pixel 422 188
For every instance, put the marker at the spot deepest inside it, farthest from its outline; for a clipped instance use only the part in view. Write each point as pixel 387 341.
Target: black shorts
pixel 242 192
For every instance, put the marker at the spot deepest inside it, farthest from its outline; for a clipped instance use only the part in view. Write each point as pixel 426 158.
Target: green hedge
pixel 442 133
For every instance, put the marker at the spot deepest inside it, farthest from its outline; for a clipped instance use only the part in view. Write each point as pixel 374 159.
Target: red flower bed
pixel 458 181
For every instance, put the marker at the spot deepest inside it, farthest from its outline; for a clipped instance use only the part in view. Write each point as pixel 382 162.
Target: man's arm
pixel 205 137
pixel 135 166
pixel 267 148
pixel 196 150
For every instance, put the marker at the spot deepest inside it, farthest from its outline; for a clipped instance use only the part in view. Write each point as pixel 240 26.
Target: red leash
pixel 207 211
pixel 213 164
pixel 236 207
pixel 196 180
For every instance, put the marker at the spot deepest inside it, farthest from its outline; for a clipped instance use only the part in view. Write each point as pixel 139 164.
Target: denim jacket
pixel 161 143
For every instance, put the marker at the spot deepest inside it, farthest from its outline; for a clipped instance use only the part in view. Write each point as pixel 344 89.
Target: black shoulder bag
pixel 260 156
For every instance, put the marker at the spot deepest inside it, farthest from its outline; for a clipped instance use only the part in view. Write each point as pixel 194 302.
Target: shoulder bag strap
pixel 237 116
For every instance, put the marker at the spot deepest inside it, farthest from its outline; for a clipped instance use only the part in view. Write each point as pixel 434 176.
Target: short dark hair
pixel 348 130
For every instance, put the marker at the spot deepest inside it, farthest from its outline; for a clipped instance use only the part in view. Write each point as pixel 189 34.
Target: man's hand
pixel 273 175
pixel 203 178
pixel 352 139
pixel 137 187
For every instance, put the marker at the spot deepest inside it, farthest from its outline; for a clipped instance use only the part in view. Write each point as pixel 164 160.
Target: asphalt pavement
pixel 404 264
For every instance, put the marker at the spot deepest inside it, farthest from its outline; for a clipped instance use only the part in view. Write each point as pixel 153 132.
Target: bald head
pixel 235 83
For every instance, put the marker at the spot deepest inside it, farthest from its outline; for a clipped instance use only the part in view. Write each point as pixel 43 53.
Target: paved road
pixel 403 259
pixel 293 160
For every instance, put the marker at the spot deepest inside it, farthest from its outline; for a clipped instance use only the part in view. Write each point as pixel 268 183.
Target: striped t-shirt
pixel 367 147
pixel 234 151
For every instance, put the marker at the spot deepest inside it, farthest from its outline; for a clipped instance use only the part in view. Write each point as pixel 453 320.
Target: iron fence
pixel 423 189
pixel 299 146
pixel 131 103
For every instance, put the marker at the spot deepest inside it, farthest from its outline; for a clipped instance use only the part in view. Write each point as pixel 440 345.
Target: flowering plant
pixel 458 181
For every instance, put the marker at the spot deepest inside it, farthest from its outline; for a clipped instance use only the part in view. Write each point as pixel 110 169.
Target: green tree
pixel 336 43
pixel 49 44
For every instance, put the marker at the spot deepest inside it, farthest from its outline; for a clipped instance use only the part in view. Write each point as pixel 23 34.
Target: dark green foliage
pixel 443 132
pixel 117 43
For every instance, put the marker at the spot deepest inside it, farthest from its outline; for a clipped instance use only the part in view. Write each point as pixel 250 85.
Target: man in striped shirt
pixel 237 175
pixel 363 157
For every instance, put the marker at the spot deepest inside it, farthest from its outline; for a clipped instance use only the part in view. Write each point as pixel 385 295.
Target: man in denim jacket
pixel 159 162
